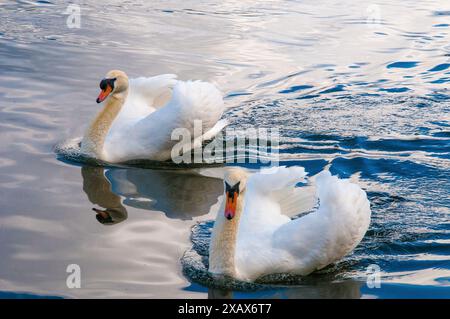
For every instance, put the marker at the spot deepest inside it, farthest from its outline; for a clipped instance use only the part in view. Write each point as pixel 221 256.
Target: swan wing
pixel 269 242
pixel 151 92
pixel 328 234
pixel 145 95
pixel 295 201
pixel 267 200
pixel 277 185
pixel 151 136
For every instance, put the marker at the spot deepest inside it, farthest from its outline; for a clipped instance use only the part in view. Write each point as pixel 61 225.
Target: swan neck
pixel 94 138
pixel 223 242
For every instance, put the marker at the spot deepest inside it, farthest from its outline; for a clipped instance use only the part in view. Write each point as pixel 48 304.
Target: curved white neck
pixel 223 241
pixel 94 138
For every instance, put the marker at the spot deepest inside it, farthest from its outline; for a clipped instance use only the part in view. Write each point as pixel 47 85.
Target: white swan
pixel 140 114
pixel 253 236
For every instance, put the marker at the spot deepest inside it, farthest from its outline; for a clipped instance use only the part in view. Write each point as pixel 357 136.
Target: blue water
pixel 360 89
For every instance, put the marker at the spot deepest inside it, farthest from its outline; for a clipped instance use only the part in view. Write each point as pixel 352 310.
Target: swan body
pixel 140 115
pixel 261 239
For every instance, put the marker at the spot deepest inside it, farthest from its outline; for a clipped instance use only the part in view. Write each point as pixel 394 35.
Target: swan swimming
pixel 253 235
pixel 140 115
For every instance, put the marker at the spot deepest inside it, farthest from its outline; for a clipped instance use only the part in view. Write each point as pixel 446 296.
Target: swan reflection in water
pixel 98 190
pixel 348 289
pixel 179 194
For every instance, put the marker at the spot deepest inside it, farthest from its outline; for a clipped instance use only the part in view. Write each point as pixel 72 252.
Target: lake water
pixel 361 89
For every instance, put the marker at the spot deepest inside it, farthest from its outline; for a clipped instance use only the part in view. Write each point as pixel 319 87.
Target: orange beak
pixel 230 205
pixel 104 93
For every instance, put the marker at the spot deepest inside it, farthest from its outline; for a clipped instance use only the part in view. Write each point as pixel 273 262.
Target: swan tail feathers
pixel 209 135
pixel 215 129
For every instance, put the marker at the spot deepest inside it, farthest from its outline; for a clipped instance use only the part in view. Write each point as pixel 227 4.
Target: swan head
pixel 115 82
pixel 234 188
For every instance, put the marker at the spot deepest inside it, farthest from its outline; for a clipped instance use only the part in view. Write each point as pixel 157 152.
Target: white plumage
pixel 269 242
pixel 140 115
pixel 153 109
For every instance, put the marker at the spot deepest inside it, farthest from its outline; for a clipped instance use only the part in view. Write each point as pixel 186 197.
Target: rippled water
pixel 360 88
